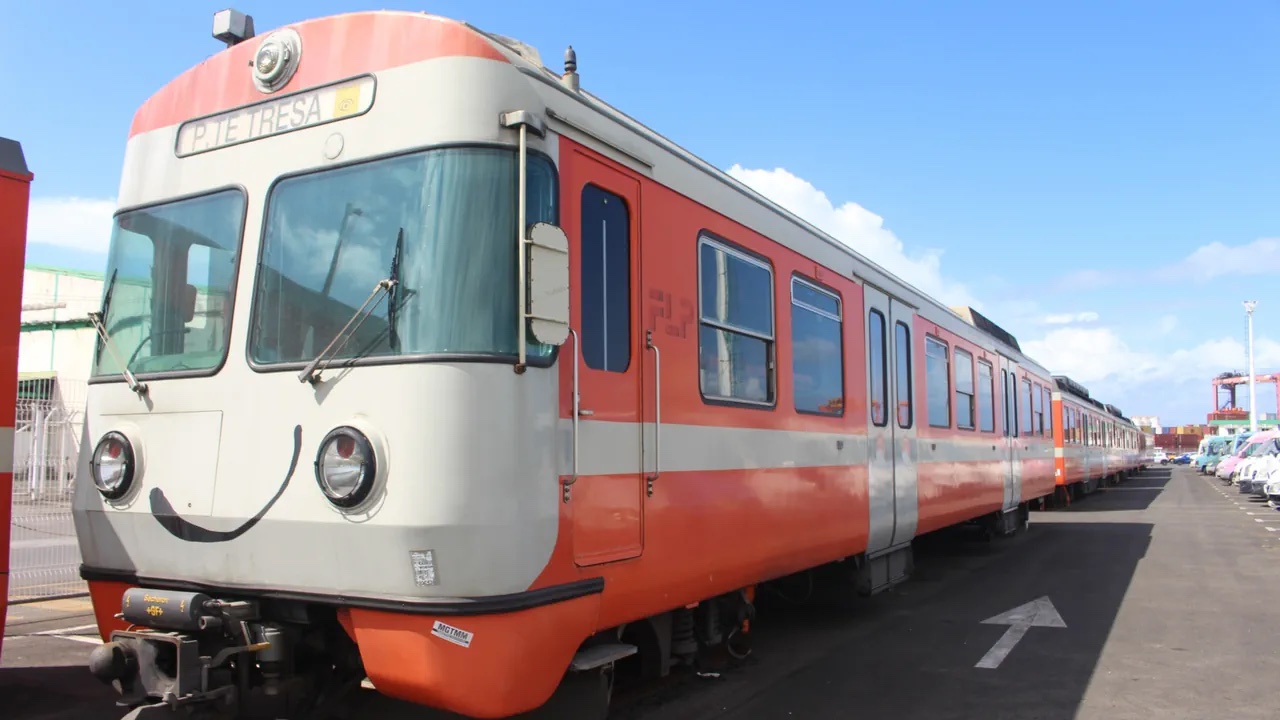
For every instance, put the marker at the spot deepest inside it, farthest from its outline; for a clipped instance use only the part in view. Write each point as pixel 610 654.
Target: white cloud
pixel 71 222
pixel 1091 355
pixel 1070 318
pixel 1078 280
pixel 1207 262
pixel 860 229
pixel 1204 264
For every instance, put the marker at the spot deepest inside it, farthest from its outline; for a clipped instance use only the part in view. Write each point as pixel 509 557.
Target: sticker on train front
pixel 457 636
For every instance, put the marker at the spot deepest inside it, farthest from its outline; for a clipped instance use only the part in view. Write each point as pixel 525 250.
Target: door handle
pixel 573 478
pixel 657 411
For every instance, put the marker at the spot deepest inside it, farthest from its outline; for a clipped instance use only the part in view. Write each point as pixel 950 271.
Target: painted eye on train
pixel 346 467
pixel 113 465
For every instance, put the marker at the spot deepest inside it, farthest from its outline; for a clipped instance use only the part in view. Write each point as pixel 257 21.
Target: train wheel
pixel 1062 496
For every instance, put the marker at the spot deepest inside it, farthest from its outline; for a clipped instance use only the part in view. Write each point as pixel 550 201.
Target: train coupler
pixel 194 653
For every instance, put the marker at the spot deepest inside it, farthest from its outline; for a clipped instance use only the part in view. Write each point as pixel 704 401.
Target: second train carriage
pixel 1094 443
pixel 362 408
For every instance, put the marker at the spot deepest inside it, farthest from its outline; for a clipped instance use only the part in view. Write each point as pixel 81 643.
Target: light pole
pixel 1249 305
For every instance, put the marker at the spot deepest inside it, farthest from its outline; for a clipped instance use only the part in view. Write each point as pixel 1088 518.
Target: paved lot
pixel 1160 586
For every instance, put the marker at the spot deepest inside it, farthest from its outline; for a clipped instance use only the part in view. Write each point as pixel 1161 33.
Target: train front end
pixel 322 430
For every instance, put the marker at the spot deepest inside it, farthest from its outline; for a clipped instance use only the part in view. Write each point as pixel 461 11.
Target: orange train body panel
pixel 15 193
pixel 686 542
pixel 490 677
pixel 952 493
pixel 715 532
pixel 106 596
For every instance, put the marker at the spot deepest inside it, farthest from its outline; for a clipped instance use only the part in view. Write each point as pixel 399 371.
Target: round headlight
pixel 346 467
pixel 113 465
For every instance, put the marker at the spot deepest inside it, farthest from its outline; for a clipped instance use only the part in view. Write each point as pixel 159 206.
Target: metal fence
pixel 44 557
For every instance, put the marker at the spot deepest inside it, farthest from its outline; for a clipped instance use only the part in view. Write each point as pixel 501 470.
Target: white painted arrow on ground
pixel 1037 613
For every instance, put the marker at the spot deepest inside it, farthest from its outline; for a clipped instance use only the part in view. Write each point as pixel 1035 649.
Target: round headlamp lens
pixel 113 465
pixel 345 467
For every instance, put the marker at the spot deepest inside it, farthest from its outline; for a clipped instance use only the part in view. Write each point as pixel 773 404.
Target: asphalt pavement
pixel 1144 600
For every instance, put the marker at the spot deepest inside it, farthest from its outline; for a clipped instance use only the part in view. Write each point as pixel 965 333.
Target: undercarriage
pixel 212 658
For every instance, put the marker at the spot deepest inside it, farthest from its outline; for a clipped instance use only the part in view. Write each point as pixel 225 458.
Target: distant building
pixel 1151 423
pixel 56 343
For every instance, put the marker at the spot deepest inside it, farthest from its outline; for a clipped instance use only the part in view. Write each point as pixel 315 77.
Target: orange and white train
pixel 1094 443
pixel 419 363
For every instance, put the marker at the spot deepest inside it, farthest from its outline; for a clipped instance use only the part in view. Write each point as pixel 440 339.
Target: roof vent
pixel 1066 384
pixel 983 323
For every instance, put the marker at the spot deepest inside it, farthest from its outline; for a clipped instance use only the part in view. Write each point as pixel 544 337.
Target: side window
pixel 902 367
pixel 817 362
pixel 964 389
pixel 1004 396
pixel 735 333
pixel 1028 419
pixel 1011 401
pixel 606 281
pixel 986 397
pixel 937 382
pixel 1048 411
pixel 876 346
pixel 1037 396
pixel 1013 404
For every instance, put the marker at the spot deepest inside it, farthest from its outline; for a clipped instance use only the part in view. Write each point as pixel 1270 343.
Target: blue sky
pixel 1101 180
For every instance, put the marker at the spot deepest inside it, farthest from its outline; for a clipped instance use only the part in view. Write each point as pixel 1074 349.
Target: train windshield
pixel 171 270
pixel 446 218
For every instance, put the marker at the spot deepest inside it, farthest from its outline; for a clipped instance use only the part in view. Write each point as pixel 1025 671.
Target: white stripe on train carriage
pixel 6 450
pixel 607 448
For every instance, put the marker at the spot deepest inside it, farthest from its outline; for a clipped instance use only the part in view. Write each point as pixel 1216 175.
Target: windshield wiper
pixel 393 295
pixel 99 323
pixel 311 373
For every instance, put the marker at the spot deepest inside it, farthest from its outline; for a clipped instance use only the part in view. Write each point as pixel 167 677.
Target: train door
pixel 891 452
pixel 1012 416
pixel 601 212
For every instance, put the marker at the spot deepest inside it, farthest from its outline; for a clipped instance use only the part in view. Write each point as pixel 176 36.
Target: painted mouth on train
pixel 164 513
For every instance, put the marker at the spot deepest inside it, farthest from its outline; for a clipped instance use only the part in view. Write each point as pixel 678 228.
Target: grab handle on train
pixel 577 410
pixel 657 411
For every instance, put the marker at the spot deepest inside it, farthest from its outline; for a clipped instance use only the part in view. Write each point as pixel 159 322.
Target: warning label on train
pixel 457 636
pixel 277 116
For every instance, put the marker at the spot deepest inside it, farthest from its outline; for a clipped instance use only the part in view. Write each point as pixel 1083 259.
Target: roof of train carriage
pixel 1081 393
pixel 530 60
pixel 185 96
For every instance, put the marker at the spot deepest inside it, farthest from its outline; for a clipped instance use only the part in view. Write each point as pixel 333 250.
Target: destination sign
pixel 340 101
